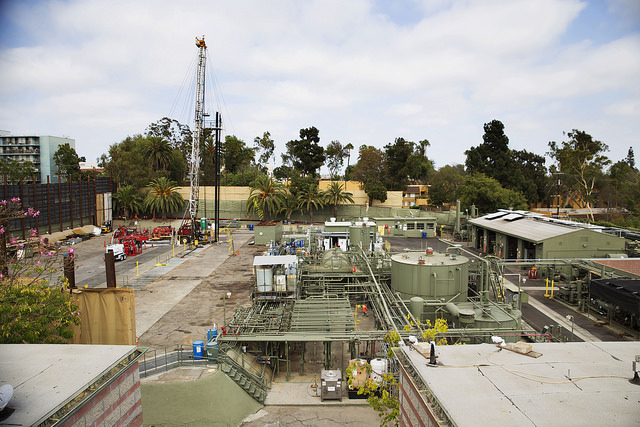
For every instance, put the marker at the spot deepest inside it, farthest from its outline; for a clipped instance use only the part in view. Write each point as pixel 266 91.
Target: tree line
pixel 493 176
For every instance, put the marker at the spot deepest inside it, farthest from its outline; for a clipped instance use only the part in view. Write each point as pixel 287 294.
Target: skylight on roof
pixel 495 215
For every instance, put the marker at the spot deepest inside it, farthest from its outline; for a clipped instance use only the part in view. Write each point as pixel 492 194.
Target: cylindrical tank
pixel 360 235
pixel 379 368
pixel 198 349
pixel 415 306
pixel 430 276
pixel 335 259
pixel 264 278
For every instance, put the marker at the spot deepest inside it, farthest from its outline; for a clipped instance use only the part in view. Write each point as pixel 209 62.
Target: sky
pixel 363 72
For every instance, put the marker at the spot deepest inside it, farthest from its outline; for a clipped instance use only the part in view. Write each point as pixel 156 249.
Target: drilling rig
pixel 190 229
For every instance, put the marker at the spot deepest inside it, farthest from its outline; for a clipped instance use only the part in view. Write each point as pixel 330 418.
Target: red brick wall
pixel 117 404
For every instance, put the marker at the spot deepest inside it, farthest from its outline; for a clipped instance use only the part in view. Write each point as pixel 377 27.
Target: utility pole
pixel 558 183
pixel 216 178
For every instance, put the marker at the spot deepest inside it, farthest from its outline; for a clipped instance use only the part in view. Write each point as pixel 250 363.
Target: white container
pixel 264 277
pixel 379 368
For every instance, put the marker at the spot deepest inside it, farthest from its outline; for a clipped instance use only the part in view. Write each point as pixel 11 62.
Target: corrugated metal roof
pixel 526 228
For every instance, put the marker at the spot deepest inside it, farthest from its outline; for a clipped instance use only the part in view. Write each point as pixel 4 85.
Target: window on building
pixel 420 225
pixel 410 226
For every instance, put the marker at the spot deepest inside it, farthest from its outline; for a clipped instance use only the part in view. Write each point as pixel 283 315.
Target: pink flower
pixel 34 232
pixel 15 199
pixel 1 230
pixel 12 241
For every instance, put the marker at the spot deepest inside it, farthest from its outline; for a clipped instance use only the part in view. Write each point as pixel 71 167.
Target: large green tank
pixel 430 275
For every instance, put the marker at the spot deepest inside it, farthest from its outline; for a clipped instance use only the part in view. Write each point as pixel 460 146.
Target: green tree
pixel 32 310
pixel 529 175
pixel 178 135
pixel 335 154
pixel 310 197
pixel 237 157
pixel 289 204
pixel 335 195
pixel 15 171
pixel 305 154
pixel 370 166
pixel 582 160
pixel 376 191
pixel 67 161
pixel 347 152
pixel 129 199
pixel 158 151
pixel 398 159
pixel 265 197
pixel 622 188
pixel 493 156
pixel 265 146
pixel 163 197
pixel 126 162
pixel 519 171
pixel 631 159
pixel 419 166
pixel 488 195
pixel 446 184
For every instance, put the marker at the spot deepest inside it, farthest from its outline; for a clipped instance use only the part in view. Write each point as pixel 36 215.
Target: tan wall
pixel 394 198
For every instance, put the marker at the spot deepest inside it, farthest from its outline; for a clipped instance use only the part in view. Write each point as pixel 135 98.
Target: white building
pixel 38 150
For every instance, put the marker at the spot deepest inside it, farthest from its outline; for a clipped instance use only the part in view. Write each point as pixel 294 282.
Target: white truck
pixel 118 251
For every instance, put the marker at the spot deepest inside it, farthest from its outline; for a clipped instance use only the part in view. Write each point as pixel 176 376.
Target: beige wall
pixel 394 198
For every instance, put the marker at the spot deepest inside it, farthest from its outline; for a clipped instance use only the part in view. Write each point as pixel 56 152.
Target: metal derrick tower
pixel 194 159
pixel 198 138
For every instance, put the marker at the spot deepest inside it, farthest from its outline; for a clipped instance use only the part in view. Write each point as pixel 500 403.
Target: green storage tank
pixel 430 276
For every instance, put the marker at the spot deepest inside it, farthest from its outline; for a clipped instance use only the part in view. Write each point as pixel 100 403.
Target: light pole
pixel 224 307
pixel 571 319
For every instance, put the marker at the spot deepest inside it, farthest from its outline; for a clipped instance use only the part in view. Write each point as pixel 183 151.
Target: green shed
pixel 526 236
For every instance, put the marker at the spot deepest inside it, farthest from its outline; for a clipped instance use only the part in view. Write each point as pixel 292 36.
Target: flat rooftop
pixel 571 384
pixel 47 376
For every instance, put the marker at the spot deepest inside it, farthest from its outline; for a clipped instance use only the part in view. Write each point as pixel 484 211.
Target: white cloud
pixel 101 71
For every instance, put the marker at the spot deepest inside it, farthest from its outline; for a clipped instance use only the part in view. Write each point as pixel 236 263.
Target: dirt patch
pixel 203 307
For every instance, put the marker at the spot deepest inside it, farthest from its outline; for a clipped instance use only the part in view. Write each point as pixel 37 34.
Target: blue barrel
pixel 212 351
pixel 198 349
pixel 424 234
pixel 212 334
pixel 300 243
pixel 251 227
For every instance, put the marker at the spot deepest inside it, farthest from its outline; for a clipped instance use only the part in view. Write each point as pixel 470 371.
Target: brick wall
pixel 413 408
pixel 118 403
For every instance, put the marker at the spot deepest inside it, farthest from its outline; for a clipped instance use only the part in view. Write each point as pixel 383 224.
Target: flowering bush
pixel 32 308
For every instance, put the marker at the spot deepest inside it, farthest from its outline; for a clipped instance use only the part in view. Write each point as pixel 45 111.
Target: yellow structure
pixel 415 195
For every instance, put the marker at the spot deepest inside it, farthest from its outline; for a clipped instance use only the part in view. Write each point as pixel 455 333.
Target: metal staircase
pixel 252 383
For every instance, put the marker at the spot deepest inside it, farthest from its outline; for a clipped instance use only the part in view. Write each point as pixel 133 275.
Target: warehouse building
pixel 526 236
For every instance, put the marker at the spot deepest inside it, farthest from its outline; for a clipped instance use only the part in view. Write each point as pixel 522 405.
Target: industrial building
pixel 37 149
pixel 72 385
pixel 568 384
pixel 525 236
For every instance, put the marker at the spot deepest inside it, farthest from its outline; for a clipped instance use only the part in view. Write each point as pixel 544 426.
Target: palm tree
pixel 159 152
pixel 309 197
pixel 289 204
pixel 266 197
pixel 163 197
pixel 347 149
pixel 129 199
pixel 335 195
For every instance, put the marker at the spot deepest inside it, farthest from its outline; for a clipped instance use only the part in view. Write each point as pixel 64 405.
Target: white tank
pixel 379 368
pixel 264 277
